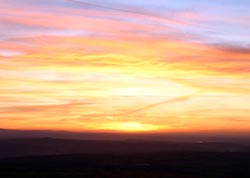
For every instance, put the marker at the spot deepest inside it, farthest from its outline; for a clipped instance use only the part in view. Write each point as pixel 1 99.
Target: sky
pixel 125 66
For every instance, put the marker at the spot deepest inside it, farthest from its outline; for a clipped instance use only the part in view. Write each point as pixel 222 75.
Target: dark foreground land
pixel 56 158
pixel 154 165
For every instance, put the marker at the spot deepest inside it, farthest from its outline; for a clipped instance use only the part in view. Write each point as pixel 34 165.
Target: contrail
pixel 179 99
pixel 124 10
pixel 111 8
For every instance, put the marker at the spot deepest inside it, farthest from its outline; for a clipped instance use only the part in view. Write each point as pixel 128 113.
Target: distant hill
pixel 176 137
pixel 51 146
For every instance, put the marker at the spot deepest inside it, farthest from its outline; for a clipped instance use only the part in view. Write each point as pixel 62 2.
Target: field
pixel 154 165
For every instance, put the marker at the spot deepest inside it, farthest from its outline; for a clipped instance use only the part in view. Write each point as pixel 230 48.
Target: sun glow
pixel 129 127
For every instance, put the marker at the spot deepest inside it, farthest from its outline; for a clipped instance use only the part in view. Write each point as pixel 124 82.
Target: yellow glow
pixel 153 88
pixel 129 127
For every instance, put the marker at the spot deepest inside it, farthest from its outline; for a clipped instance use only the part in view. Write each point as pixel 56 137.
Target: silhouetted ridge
pixel 52 146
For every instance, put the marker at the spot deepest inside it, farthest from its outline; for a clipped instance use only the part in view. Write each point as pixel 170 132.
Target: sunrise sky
pixel 126 66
